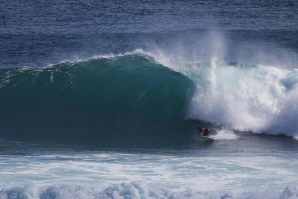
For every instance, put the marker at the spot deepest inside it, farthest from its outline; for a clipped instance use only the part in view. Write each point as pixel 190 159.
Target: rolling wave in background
pixel 145 99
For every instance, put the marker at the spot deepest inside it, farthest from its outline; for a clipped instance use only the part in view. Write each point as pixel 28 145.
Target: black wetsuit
pixel 204 131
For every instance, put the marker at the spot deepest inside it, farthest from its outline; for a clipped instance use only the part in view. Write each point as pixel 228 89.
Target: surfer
pixel 203 131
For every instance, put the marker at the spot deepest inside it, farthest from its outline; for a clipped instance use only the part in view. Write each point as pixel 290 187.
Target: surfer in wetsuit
pixel 203 131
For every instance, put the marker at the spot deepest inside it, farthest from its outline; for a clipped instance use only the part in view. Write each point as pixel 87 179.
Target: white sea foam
pixel 254 98
pixel 247 99
pixel 224 134
pixel 137 189
pixel 144 174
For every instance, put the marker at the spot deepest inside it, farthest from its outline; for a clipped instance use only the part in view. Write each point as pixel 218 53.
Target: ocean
pixel 101 99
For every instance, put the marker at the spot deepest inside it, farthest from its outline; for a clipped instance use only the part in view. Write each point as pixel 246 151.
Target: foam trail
pixel 224 134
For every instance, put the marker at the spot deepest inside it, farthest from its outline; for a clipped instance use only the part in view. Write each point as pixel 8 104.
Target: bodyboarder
pixel 203 131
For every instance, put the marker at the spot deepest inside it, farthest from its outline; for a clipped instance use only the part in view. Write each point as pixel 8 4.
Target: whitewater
pixel 257 98
pixel 67 173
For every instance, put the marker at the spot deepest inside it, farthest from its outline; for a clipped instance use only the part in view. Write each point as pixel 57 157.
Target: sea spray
pixel 248 98
pixel 257 98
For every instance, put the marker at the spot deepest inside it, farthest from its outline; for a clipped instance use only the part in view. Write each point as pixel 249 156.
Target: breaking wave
pixel 139 99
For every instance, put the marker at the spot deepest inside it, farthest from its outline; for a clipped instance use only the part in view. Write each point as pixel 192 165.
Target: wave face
pixel 117 100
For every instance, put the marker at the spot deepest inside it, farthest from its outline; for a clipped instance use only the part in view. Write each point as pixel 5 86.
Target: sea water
pixel 101 99
pixel 230 167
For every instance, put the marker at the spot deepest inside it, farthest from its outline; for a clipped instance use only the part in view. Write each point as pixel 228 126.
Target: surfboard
pixel 207 139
